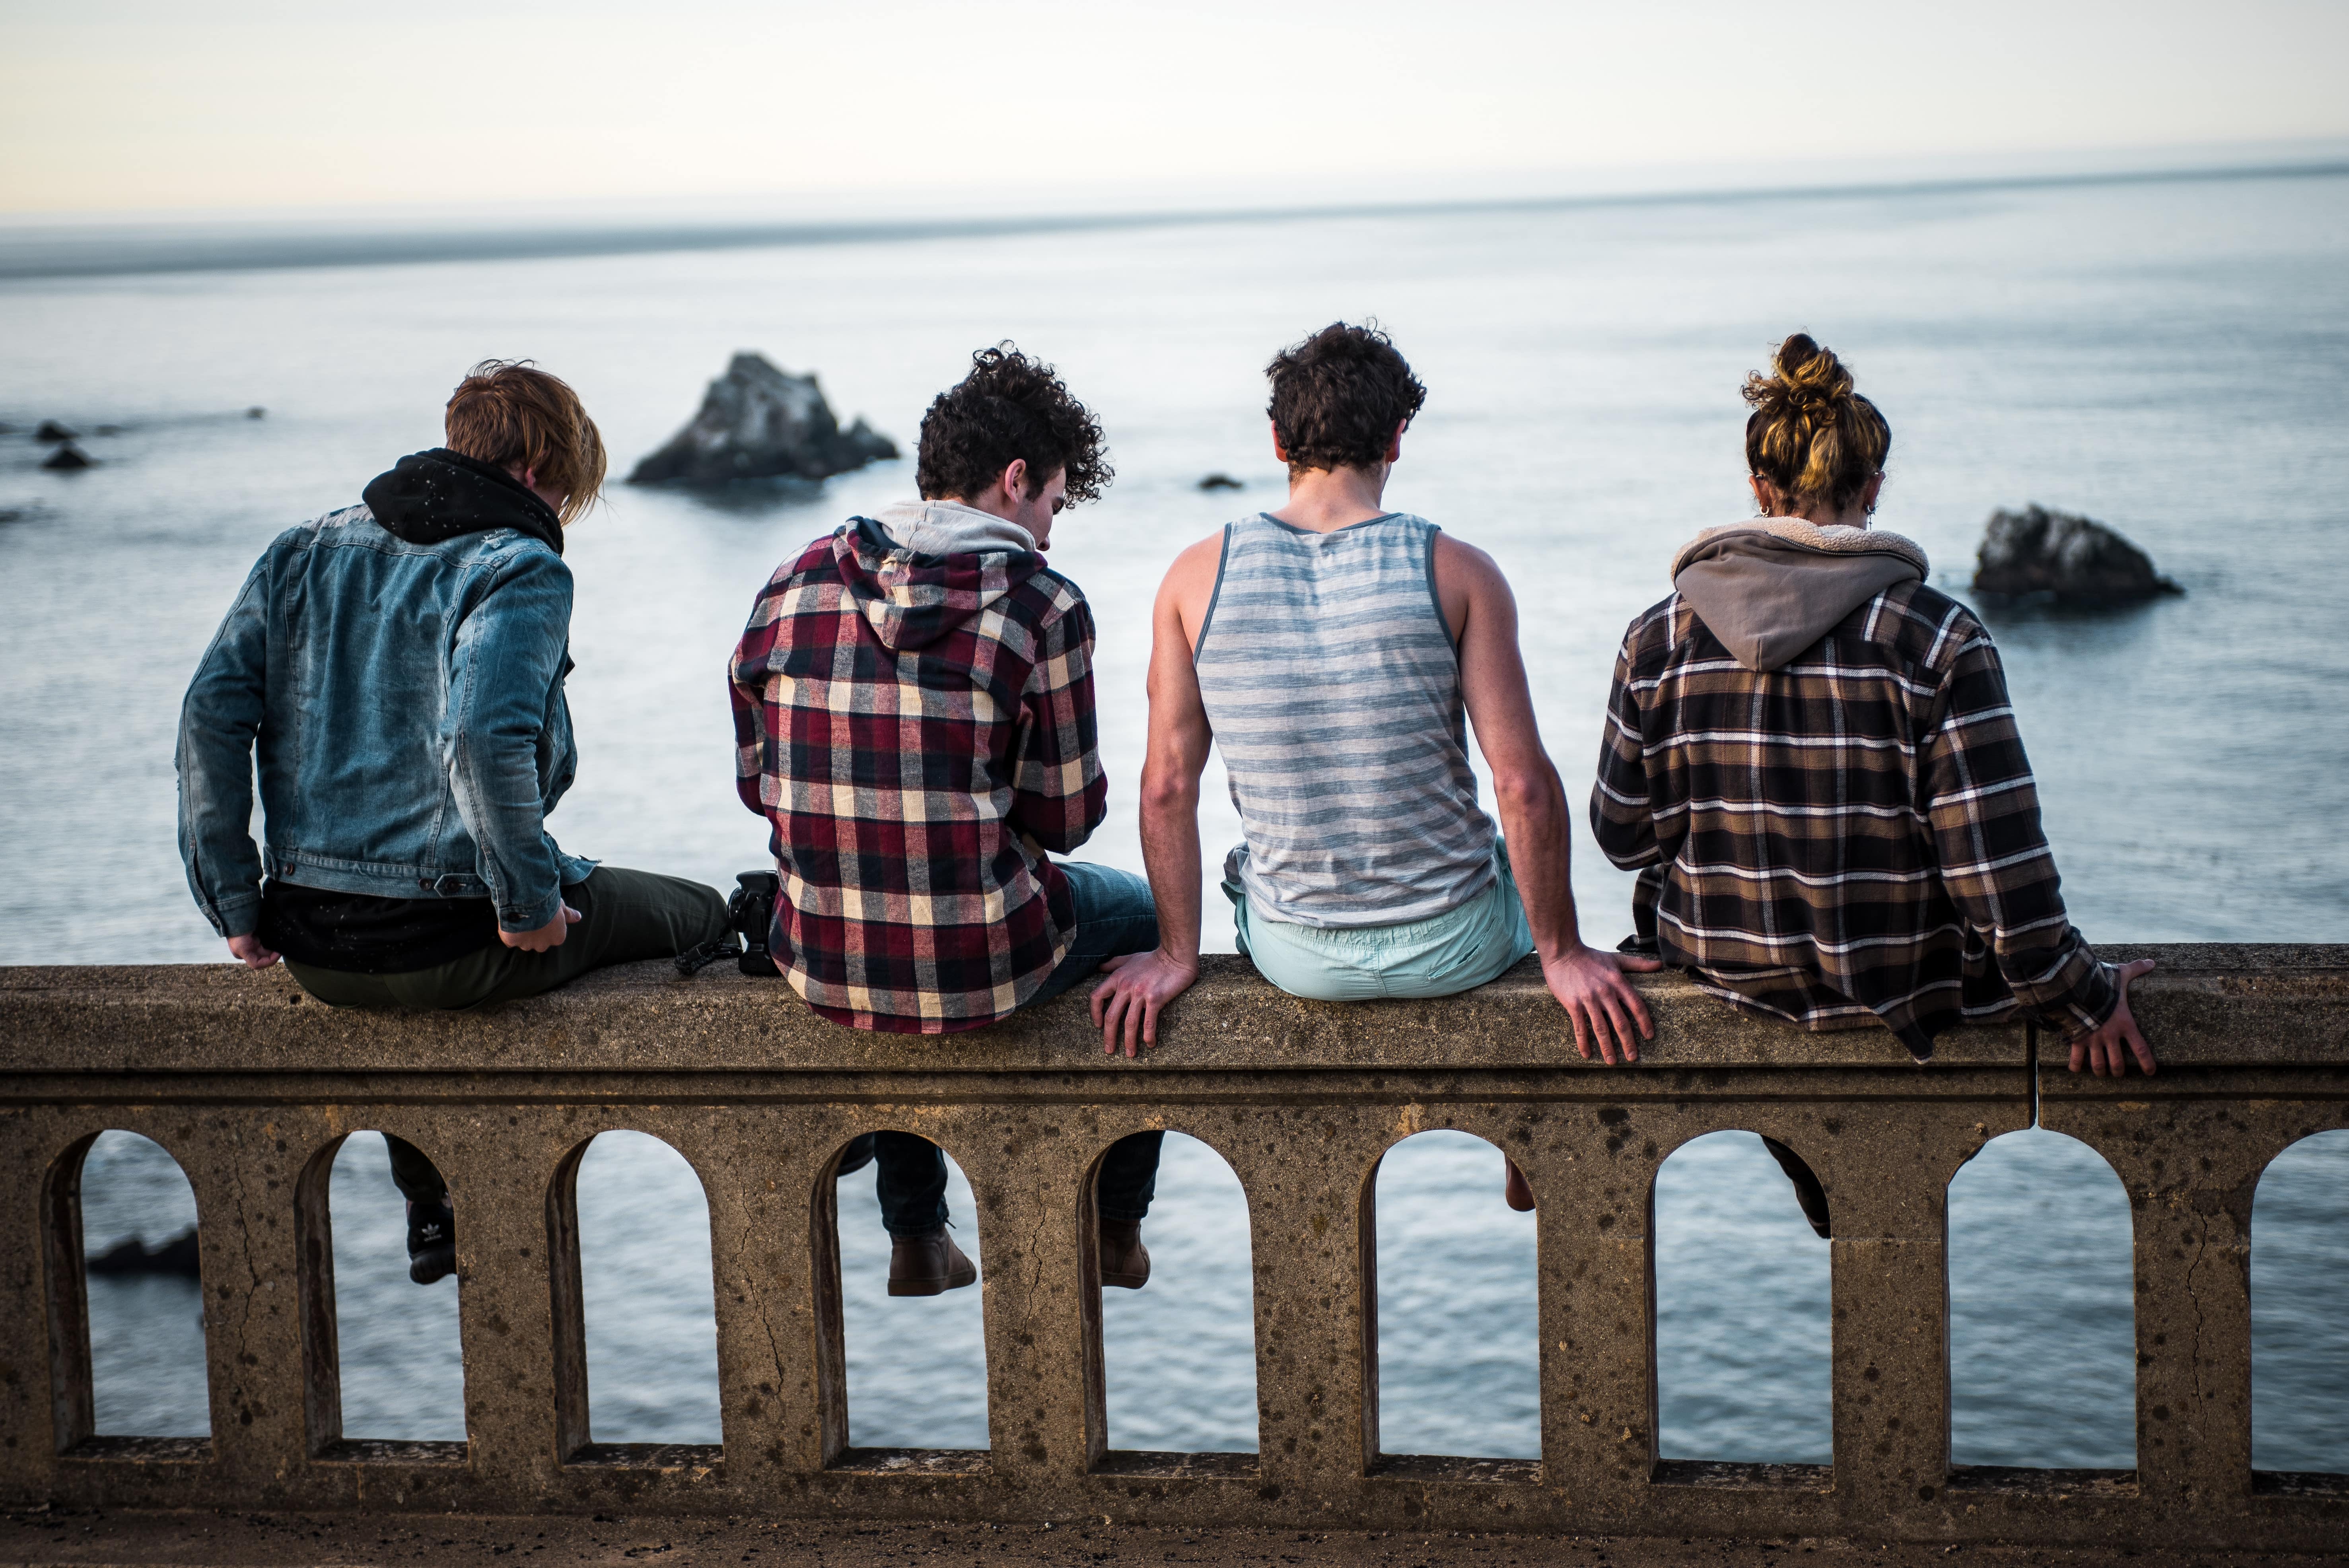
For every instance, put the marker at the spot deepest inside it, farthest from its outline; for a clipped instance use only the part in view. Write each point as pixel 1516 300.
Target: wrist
pixel 522 922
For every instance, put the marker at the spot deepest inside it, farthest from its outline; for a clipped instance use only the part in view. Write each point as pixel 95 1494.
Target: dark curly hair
pixel 1338 397
pixel 1010 405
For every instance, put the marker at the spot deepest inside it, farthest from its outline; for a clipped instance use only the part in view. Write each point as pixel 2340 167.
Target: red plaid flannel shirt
pixel 919 729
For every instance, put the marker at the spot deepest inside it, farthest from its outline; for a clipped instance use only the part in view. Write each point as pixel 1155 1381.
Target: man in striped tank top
pixel 1338 652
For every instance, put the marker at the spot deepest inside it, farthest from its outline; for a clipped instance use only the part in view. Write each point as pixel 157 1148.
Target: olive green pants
pixel 623 916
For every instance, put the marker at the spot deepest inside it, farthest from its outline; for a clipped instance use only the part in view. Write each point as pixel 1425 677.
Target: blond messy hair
pixel 509 413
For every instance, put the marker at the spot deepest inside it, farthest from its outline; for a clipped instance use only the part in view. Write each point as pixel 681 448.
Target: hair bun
pixel 1811 376
pixel 1811 434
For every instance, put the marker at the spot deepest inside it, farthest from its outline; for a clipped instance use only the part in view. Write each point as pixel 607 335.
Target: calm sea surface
pixel 2172 360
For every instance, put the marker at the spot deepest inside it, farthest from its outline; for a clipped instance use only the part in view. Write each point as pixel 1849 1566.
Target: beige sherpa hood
pixel 1770 587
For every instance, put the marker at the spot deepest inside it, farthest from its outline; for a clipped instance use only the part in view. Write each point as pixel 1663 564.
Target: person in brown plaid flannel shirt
pixel 914 714
pixel 1811 760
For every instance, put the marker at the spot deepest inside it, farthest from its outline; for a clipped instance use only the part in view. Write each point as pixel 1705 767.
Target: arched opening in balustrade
pixel 1179 1352
pixel 1744 1321
pixel 2300 1308
pixel 2043 1338
pixel 398 1362
pixel 126 1293
pixel 911 1371
pixel 1459 1322
pixel 646 1349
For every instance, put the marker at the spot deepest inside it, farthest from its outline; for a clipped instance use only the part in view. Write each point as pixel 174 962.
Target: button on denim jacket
pixel 407 704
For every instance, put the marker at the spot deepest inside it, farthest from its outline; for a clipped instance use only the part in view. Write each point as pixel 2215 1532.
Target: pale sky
pixel 117 105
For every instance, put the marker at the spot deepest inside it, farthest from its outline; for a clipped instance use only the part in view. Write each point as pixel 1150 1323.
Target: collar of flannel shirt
pixel 1772 587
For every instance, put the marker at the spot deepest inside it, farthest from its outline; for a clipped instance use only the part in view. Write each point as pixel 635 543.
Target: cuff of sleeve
pixel 234 917
pixel 529 917
pixel 2086 1009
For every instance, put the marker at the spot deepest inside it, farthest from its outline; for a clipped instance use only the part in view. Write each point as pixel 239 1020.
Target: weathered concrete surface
pixel 244 1539
pixel 192 1017
pixel 252 1088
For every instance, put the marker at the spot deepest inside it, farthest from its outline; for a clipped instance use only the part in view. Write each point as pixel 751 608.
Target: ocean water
pixel 2172 360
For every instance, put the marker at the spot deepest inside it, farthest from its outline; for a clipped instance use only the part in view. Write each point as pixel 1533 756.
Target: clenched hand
pixel 546 936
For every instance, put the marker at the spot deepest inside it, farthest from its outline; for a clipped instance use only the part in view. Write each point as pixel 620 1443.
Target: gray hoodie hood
pixel 923 568
pixel 951 528
pixel 1770 587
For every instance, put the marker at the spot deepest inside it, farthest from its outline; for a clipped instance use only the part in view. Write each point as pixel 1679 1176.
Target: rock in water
pixel 757 422
pixel 2035 551
pixel 51 431
pixel 133 1256
pixel 67 457
pixel 1220 482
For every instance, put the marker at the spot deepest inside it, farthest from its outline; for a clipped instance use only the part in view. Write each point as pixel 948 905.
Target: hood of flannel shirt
pixel 428 496
pixel 923 570
pixel 1770 587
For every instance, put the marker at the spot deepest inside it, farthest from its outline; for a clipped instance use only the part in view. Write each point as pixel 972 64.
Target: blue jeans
pixel 1115 915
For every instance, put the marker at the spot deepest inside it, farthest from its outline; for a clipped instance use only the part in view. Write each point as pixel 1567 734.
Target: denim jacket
pixel 407 702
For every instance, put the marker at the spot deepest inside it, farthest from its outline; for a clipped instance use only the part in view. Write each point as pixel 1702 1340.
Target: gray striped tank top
pixel 1333 688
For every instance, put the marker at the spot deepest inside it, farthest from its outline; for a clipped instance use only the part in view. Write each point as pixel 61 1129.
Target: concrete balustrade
pixel 251 1086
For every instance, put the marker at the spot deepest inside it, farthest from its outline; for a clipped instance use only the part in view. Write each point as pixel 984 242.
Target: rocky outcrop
pixel 133 1257
pixel 1220 482
pixel 51 431
pixel 2078 561
pixel 67 457
pixel 759 422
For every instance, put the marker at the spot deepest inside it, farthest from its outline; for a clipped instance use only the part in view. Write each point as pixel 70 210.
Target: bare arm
pixel 1588 984
pixel 1141 985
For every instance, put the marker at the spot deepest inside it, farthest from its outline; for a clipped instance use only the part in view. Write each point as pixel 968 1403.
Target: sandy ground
pixel 284 1541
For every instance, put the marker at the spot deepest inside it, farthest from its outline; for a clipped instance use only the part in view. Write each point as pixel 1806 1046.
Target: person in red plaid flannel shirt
pixel 914 712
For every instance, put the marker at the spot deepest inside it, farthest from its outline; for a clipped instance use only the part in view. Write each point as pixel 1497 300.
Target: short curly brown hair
pixel 1008 407
pixel 1338 397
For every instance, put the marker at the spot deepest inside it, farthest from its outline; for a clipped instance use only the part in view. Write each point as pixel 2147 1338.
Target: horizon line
pixel 79 256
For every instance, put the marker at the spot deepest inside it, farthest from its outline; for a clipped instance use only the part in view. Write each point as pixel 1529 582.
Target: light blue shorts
pixel 1439 956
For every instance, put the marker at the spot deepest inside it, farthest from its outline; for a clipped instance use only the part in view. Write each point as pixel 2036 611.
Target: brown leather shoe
pixel 1125 1261
pixel 929 1264
pixel 1515 1192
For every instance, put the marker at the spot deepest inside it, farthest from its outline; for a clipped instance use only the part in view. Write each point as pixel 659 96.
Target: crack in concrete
pixel 1036 1255
pixel 758 1306
pixel 245 1301
pixel 2194 1360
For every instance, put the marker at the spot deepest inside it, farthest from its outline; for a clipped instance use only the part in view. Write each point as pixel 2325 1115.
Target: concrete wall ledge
pixel 2208 1004
pixel 252 1088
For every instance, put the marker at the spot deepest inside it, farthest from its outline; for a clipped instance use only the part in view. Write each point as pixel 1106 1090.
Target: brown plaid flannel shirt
pixel 1854 836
